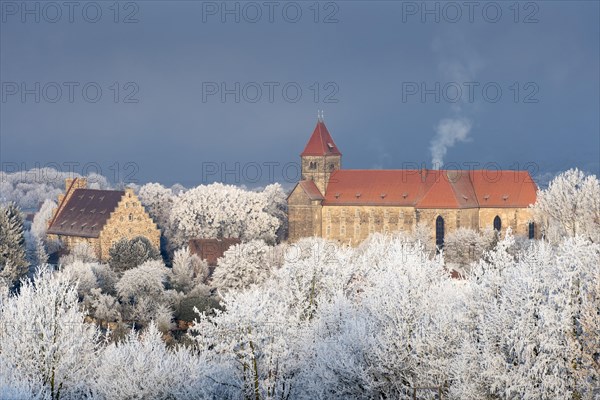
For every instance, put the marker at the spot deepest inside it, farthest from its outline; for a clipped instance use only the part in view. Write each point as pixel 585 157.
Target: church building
pixel 349 204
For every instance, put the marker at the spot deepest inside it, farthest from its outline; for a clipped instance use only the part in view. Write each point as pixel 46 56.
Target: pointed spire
pixel 320 143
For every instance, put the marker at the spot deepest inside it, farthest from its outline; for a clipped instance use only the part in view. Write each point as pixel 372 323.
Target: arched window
pixel 497 224
pixel 312 165
pixel 331 166
pixel 531 229
pixel 131 217
pixel 439 232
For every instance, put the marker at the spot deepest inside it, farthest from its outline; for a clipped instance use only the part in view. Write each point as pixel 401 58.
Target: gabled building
pixel 100 218
pixel 348 205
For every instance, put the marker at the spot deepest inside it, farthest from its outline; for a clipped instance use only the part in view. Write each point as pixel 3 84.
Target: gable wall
pixel 304 215
pixel 128 220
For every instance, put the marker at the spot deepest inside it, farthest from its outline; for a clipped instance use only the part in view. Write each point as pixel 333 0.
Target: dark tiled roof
pixel 320 143
pixel 85 213
pixel 211 250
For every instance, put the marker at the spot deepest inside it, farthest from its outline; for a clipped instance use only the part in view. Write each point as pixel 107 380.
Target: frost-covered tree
pixel 104 307
pixel 224 211
pixel 188 270
pixel 106 278
pixel 570 206
pixel 30 188
pixel 42 246
pixel 423 235
pixel 82 274
pixel 330 321
pixel 44 342
pixel 126 254
pixel 81 252
pixel 13 263
pixel 464 246
pixel 39 226
pixel 35 250
pixel 244 264
pixel 142 367
pixel 277 207
pixel 142 292
pixel 146 280
pixel 158 201
pixel 525 334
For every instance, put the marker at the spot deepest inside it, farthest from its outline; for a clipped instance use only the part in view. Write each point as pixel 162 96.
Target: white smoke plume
pixel 448 132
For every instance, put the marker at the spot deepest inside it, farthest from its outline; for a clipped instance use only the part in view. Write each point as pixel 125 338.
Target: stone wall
pixel 319 169
pixel 517 218
pixel 353 224
pixel 69 242
pixel 304 216
pixel 128 220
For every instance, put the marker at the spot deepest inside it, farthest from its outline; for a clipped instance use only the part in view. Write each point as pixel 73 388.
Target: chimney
pixel 68 183
pixel 80 183
pixel 423 174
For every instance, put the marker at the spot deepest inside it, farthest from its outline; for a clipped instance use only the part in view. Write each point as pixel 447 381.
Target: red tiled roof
pixel 383 187
pixel 85 213
pixel 311 190
pixel 503 188
pixel 320 143
pixel 430 188
pixel 449 189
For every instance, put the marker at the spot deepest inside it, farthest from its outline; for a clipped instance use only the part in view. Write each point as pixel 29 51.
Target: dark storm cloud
pixel 182 91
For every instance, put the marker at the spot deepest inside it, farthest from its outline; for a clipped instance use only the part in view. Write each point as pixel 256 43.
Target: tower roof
pixel 320 143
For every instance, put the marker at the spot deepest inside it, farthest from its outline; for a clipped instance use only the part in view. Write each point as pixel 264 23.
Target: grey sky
pixel 368 61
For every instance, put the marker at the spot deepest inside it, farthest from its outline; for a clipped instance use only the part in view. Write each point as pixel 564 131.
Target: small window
pixel 497 224
pixel 131 217
pixel 531 230
pixel 312 165
pixel 331 166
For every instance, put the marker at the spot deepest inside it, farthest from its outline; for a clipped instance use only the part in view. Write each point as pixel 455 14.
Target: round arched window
pixel 497 224
pixel 439 232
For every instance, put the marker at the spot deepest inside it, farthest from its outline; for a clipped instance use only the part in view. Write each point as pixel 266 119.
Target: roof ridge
pixel 62 203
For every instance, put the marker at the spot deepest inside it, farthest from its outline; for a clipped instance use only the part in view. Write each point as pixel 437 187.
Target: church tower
pixel 320 157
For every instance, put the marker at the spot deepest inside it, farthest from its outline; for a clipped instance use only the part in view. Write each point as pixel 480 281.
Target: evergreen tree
pixel 126 254
pixel 13 264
